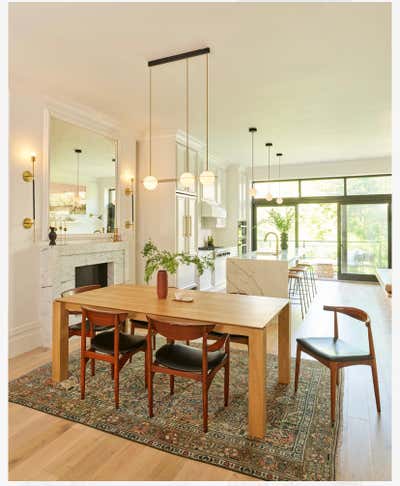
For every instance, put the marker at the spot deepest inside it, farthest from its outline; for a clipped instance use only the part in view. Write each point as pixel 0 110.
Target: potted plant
pixel 282 223
pixel 164 262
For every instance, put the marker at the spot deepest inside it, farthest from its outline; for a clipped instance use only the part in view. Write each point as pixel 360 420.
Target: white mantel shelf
pixel 76 247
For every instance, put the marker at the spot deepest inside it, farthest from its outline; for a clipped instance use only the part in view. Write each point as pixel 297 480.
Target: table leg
pixel 60 342
pixel 284 345
pixel 257 383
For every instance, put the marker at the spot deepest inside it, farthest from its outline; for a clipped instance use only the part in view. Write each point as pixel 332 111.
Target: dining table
pixel 243 315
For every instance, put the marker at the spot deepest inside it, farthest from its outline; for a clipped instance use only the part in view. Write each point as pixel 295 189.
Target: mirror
pixel 82 179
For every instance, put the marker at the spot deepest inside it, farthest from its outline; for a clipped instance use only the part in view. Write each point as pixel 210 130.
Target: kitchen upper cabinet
pixel 192 167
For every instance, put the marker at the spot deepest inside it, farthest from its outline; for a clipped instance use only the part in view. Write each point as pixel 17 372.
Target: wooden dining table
pixel 231 313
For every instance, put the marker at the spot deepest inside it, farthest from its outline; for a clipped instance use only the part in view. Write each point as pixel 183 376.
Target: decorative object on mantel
pixel 279 199
pixel 300 443
pixel 282 224
pixel 116 235
pixel 79 206
pixel 52 236
pixel 150 182
pixel 29 176
pixel 166 262
pixel 269 196
pixel 253 191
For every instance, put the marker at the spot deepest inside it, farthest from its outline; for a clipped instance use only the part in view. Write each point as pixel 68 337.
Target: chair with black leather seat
pixel 336 354
pixel 75 329
pixel 186 361
pixel 113 346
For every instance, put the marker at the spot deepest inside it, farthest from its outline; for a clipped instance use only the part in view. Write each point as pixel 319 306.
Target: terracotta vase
pixel 162 284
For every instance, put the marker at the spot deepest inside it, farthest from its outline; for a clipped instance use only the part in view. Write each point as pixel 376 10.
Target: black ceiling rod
pixel 179 57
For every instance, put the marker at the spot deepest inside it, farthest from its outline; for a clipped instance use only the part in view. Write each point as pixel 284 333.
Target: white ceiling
pixel 315 79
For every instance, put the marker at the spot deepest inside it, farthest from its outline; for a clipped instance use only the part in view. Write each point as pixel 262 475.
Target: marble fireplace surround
pixel 57 271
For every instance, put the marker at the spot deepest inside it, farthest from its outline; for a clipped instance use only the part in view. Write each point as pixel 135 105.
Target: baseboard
pixel 23 338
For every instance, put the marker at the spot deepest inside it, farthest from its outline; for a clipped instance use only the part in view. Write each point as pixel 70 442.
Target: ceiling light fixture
pixel 279 200
pixel 269 195
pixel 150 182
pixel 253 191
pixel 207 177
pixel 187 178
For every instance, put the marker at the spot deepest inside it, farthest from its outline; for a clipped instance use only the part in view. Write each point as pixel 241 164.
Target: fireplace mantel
pixel 57 271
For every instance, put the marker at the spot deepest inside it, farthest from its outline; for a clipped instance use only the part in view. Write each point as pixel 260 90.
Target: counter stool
pixel 311 275
pixel 296 290
pixel 306 282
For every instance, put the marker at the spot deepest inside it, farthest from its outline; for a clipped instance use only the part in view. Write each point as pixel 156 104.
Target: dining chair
pixel 113 346
pixel 75 329
pixel 336 354
pixel 188 362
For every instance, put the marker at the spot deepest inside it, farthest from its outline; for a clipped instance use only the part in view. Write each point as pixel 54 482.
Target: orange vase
pixel 162 284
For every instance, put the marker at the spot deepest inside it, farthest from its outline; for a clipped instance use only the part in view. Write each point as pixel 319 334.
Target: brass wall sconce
pixel 29 176
pixel 129 192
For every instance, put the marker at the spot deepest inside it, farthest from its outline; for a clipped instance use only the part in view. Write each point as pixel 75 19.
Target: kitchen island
pixel 258 273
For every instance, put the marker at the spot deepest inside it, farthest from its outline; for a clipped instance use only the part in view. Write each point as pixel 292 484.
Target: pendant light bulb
pixel 186 179
pixel 150 182
pixel 269 196
pixel 253 192
pixel 279 200
pixel 207 178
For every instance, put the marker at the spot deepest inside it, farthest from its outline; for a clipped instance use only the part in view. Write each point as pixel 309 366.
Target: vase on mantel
pixel 52 236
pixel 162 284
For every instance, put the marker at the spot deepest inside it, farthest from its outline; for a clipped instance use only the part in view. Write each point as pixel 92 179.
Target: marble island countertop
pixel 283 256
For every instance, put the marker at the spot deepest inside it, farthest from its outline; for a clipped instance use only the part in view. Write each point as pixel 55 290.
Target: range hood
pixel 211 209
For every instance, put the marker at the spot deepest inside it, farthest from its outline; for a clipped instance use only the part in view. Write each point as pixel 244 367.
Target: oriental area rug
pixel 300 443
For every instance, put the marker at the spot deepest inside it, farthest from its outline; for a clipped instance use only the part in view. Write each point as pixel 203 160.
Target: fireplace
pixel 91 274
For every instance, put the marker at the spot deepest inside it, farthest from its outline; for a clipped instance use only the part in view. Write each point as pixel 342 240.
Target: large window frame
pixel 340 200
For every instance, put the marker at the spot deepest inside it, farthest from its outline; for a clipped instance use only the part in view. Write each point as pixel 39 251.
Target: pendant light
pixel 77 198
pixel 187 178
pixel 253 191
pixel 150 182
pixel 269 196
pixel 207 177
pixel 279 200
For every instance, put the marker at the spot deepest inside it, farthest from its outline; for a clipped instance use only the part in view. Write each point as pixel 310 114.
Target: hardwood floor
pixel 43 447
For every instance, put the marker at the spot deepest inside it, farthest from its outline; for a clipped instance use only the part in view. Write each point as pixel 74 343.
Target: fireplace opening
pixel 91 274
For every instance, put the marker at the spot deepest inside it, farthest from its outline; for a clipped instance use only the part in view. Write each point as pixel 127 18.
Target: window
pixel 369 185
pixel 322 187
pixel 283 189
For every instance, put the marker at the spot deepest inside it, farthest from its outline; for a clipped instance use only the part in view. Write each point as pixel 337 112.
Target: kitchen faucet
pixel 276 241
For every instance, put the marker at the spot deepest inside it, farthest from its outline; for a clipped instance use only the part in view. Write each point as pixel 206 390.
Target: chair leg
pixel 150 393
pixel 83 377
pixel 298 360
pixel 116 385
pixel 376 385
pixel 226 383
pixel 145 371
pixel 171 384
pixel 205 404
pixel 333 393
pixel 93 366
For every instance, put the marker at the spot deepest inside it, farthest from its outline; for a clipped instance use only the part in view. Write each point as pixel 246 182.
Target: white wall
pixel 27 135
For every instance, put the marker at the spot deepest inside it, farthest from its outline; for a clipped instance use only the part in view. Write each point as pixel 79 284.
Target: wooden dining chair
pixel 113 346
pixel 186 361
pixel 76 328
pixel 336 354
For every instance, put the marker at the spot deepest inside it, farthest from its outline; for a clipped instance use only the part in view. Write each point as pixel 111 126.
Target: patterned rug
pixel 300 443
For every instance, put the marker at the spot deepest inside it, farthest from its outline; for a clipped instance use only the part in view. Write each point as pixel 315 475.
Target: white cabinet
pixel 186 237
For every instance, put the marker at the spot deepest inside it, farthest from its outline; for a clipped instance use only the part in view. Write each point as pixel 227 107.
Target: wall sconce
pixel 129 193
pixel 29 176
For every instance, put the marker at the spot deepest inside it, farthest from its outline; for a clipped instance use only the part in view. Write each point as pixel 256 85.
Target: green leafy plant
pixel 281 223
pixel 165 260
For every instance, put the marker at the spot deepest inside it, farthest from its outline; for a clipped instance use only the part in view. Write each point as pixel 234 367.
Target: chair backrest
pixel 103 318
pixel 178 329
pixel 78 290
pixel 355 313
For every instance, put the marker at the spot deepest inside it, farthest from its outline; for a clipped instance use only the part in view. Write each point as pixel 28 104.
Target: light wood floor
pixel 43 447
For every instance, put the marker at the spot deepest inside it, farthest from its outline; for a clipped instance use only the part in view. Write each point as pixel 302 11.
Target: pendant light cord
pixel 187 116
pixel 207 112
pixel 252 159
pixel 269 163
pixel 150 110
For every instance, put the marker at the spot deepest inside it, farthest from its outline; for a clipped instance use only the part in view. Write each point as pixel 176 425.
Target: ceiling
pixel 314 78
